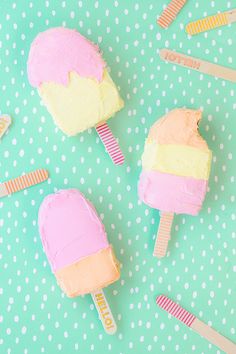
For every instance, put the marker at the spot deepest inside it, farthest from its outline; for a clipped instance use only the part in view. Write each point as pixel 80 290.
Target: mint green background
pixel 199 271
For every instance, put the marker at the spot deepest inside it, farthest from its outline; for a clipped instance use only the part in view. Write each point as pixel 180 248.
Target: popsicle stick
pixel 163 234
pixel 211 22
pixel 170 13
pixel 110 143
pixel 22 182
pixel 104 312
pixel 198 326
pixel 5 122
pixel 200 65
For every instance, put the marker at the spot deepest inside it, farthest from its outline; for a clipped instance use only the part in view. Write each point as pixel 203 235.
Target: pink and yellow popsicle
pixel 75 242
pixel 176 167
pixel 72 79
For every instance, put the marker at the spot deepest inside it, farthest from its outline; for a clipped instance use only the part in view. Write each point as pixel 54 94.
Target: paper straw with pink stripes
pixel 197 325
pixel 175 310
pixel 170 12
pixel 22 182
pixel 110 143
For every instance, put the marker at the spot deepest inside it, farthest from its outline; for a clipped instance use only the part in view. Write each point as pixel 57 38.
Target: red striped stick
pixel 175 310
pixel 22 182
pixel 110 143
pixel 198 326
pixel 163 234
pixel 170 13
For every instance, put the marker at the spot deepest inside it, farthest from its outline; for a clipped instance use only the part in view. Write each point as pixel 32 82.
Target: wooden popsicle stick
pixel 211 22
pixel 163 234
pixel 104 312
pixel 200 65
pixel 110 143
pixel 5 122
pixel 22 182
pixel 198 326
pixel 170 13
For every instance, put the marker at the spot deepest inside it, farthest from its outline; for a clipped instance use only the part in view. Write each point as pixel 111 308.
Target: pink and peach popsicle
pixel 75 242
pixel 176 167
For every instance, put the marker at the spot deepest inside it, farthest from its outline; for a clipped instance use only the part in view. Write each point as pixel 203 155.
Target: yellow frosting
pixel 180 160
pixel 82 104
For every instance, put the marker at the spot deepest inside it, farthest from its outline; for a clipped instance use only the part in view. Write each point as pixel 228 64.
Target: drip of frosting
pixel 57 52
pixel 70 228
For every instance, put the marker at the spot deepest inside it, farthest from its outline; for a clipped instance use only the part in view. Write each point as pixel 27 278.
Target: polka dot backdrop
pixel 199 270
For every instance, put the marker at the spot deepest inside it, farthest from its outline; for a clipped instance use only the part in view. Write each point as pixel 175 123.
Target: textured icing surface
pixel 180 195
pixel 89 274
pixel 179 126
pixel 58 51
pixel 176 164
pixel 180 160
pixel 70 228
pixel 81 104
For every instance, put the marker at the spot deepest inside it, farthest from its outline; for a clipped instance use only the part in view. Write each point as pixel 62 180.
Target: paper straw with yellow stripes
pixel 211 22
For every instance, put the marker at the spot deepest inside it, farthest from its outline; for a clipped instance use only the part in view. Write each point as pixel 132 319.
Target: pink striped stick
pixel 198 326
pixel 110 143
pixel 170 13
pixel 163 234
pixel 22 182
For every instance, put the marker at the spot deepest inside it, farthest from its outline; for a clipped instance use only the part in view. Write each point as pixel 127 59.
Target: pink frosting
pixel 70 228
pixel 170 193
pixel 58 51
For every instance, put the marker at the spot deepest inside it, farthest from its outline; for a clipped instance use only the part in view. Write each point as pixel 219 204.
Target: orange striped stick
pixel 163 234
pixel 170 13
pixel 22 182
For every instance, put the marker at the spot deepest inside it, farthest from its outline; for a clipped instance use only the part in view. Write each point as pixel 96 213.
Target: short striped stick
pixel 197 64
pixel 110 143
pixel 198 326
pixel 170 13
pixel 163 234
pixel 211 22
pixel 22 182
pixel 5 122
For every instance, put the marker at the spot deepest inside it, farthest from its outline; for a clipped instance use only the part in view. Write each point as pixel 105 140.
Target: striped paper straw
pixel 170 13
pixel 175 310
pixel 207 24
pixel 110 143
pixel 163 234
pixel 197 325
pixel 22 182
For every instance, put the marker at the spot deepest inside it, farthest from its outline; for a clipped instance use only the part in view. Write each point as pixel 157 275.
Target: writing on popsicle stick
pixel 5 122
pixel 181 59
pixel 104 312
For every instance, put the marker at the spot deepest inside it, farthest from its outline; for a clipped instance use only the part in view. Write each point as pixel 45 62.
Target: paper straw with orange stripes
pixel 22 182
pixel 170 13
pixel 211 22
pixel 163 234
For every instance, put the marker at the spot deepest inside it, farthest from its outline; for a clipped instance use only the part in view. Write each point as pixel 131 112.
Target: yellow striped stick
pixel 211 22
